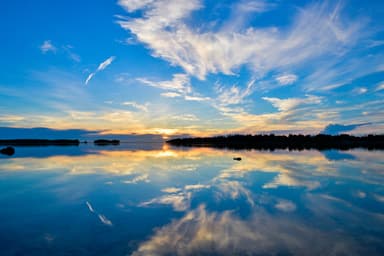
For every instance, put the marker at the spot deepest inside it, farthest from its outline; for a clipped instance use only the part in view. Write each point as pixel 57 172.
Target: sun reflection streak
pixel 291 168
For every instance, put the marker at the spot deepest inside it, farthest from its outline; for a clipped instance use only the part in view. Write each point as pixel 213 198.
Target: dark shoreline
pixel 291 142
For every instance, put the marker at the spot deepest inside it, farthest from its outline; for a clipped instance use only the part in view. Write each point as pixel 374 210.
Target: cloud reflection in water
pixel 201 232
pixel 203 202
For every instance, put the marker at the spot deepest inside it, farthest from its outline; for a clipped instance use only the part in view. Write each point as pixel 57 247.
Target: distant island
pixel 106 142
pixel 291 142
pixel 39 142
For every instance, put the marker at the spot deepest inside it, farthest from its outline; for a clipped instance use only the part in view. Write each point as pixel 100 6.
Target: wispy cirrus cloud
pixel 69 50
pixel 179 86
pixel 142 107
pixel 317 30
pixel 101 67
pixel 133 5
pixel 170 94
pixel 240 47
pixel 185 117
pixel 286 79
pixel 180 83
pixel 48 46
pixel 233 95
pixel 291 103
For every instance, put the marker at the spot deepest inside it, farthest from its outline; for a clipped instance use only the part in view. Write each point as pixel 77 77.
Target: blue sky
pixel 192 66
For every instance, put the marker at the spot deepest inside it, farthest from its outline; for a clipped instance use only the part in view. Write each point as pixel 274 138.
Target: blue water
pixel 157 200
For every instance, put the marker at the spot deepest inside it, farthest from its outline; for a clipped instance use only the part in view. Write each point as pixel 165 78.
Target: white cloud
pixel 170 94
pixel 196 98
pixel 105 63
pixel 291 103
pixel 133 5
pixel 47 46
pixel 185 117
pixel 89 78
pixel 258 6
pixel 179 86
pixel 233 95
pixel 180 83
pixel 136 105
pixel 101 67
pixel 242 11
pixel 316 31
pixel 286 79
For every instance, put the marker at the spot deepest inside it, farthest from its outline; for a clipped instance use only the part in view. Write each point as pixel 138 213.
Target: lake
pixel 153 199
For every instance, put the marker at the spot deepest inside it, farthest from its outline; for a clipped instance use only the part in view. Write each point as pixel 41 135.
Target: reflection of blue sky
pixel 199 200
pixel 337 155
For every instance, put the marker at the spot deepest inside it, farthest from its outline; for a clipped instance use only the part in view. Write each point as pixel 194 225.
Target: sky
pixel 176 67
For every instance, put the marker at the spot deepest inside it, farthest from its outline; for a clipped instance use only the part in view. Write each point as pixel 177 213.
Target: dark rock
pixel 8 151
pixel 237 158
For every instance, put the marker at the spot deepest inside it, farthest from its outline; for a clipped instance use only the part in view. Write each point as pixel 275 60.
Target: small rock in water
pixel 237 158
pixel 7 151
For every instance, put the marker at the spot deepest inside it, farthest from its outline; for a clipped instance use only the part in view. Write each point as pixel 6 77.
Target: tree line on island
pixel 61 142
pixel 291 142
pixel 9 150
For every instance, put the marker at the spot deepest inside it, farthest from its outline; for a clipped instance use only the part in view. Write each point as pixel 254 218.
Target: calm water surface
pixel 156 200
